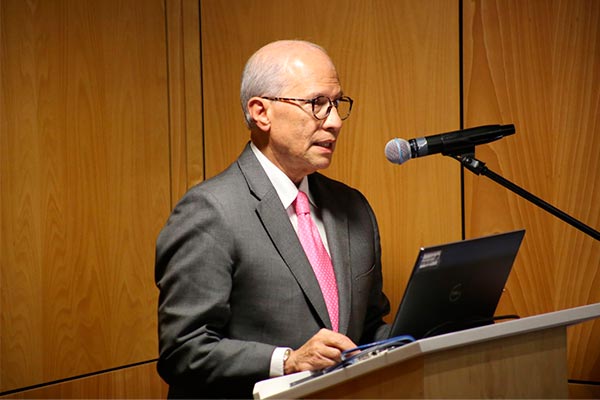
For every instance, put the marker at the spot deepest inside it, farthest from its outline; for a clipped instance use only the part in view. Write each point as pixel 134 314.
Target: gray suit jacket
pixel 235 283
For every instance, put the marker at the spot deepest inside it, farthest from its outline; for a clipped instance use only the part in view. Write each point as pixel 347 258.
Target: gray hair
pixel 264 75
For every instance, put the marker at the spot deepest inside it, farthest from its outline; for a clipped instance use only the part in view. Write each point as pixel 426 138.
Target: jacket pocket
pixel 364 280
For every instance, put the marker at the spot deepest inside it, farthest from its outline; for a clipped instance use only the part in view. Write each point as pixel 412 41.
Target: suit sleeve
pixel 378 304
pixel 194 266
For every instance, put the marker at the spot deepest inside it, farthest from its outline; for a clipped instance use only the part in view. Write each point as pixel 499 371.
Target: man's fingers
pixel 333 339
pixel 323 350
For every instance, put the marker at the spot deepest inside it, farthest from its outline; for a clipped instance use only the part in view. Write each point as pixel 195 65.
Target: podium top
pixel 289 386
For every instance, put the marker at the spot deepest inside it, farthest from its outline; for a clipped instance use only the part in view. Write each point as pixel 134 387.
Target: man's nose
pixel 333 120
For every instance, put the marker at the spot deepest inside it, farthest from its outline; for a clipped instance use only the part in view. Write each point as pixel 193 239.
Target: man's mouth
pixel 327 145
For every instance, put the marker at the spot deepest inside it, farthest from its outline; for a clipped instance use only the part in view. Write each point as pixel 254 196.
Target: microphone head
pixel 397 151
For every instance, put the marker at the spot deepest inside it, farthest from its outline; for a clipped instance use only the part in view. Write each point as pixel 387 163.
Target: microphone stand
pixel 479 168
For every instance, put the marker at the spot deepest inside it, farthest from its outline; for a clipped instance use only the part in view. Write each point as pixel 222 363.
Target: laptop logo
pixel 455 293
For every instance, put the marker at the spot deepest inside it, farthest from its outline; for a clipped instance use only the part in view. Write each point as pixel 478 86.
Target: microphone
pixel 462 141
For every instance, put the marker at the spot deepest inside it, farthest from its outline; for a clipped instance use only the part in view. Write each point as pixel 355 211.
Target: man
pixel 240 300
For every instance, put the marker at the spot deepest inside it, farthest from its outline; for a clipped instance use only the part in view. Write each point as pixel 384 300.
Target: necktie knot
pixel 302 205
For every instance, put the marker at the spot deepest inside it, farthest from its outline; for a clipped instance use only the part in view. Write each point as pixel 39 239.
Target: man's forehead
pixel 312 76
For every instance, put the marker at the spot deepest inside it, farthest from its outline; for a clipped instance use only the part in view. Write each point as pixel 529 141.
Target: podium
pixel 523 358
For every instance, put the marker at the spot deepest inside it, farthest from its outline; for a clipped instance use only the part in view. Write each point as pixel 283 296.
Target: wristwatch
pixel 286 355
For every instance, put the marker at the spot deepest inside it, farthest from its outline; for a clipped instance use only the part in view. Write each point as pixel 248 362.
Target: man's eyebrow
pixel 317 94
pixel 339 96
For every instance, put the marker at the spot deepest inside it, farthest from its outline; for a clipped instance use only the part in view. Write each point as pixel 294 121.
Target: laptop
pixel 456 286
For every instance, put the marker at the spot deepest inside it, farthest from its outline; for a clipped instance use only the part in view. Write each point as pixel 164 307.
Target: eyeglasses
pixel 322 105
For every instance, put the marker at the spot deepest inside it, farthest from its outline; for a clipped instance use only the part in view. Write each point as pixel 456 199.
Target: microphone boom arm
pixel 479 168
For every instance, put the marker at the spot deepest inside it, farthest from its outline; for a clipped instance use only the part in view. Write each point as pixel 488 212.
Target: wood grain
pixel 185 96
pixel 584 391
pixel 139 382
pixel 85 185
pixel 537 64
pixel 101 130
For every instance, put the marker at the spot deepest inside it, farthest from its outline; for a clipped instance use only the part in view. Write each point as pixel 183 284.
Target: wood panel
pixel 185 95
pixel 139 382
pixel 85 185
pixel 537 64
pixel 584 391
pixel 399 61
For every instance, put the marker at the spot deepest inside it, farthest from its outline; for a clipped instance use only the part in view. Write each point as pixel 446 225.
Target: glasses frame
pixel 312 102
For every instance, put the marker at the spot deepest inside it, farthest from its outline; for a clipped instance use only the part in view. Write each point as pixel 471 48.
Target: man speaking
pixel 270 268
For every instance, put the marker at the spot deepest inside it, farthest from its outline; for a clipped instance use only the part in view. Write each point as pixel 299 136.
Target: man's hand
pixel 322 350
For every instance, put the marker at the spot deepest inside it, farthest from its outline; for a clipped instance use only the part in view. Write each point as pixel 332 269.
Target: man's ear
pixel 257 108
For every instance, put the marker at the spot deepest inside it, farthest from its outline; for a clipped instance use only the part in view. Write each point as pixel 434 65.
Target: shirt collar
pixel 285 188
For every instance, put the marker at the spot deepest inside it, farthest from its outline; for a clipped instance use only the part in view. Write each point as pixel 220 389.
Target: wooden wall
pixel 112 109
pixel 93 139
pixel 537 64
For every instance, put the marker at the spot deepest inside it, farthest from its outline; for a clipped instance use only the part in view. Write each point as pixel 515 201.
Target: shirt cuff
pixel 277 362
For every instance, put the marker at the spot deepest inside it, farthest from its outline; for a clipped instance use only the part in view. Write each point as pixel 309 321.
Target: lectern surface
pixel 544 336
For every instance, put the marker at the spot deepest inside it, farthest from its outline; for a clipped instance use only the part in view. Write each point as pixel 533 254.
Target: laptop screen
pixel 456 286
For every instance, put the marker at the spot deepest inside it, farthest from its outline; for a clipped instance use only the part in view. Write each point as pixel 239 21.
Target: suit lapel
pixel 277 224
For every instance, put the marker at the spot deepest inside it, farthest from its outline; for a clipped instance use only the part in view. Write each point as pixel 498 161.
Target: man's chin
pixel 322 165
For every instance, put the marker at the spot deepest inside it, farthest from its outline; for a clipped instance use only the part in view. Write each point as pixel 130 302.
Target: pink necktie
pixel 318 257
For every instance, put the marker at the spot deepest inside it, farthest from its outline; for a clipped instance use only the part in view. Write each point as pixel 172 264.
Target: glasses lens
pixel 344 105
pixel 321 107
